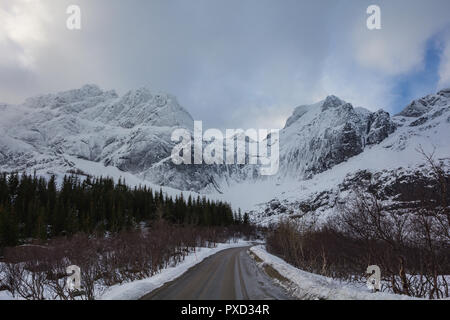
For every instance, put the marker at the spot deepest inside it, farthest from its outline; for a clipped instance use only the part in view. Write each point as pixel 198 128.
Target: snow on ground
pixel 6 295
pixel 137 289
pixel 305 285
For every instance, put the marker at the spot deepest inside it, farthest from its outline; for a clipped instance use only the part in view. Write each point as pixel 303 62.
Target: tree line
pixel 32 207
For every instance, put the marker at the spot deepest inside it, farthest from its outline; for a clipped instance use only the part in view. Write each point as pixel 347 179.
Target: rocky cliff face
pixel 131 132
pixel 421 106
pixel 389 163
pixel 320 136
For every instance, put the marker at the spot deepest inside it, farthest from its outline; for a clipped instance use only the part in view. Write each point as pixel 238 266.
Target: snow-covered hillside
pixel 47 134
pixel 325 148
pixel 391 165
pixel 319 136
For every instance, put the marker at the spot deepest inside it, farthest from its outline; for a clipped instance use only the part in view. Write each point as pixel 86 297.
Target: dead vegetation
pixel 411 246
pixel 39 272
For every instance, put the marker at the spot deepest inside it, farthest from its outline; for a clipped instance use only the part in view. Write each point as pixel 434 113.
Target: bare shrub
pixel 411 246
pixel 39 272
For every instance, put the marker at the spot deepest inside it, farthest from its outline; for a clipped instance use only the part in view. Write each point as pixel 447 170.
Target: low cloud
pixel 230 63
pixel 444 68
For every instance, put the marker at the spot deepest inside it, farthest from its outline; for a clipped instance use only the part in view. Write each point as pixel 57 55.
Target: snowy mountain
pixel 387 160
pixel 51 134
pixel 319 136
pixel 323 146
pixel 131 132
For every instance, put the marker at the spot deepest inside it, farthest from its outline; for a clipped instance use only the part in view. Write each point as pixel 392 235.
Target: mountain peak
pixel 332 102
pixel 444 93
pixel 329 103
pixel 137 97
pixel 86 91
pixel 419 107
pixel 91 89
pixel 56 100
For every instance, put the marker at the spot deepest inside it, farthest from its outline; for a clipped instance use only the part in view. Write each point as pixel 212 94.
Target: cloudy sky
pixel 231 63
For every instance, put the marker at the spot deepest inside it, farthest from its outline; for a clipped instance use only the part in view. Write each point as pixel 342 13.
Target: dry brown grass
pixel 271 272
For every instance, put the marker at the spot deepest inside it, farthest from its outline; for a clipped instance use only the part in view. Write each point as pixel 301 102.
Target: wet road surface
pixel 228 275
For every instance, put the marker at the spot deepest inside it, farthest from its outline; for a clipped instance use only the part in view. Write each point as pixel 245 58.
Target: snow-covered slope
pixel 322 147
pixel 131 132
pixel 391 165
pixel 319 136
pixel 308 286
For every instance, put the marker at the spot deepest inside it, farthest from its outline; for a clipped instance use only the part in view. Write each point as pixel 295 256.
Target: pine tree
pixel 96 204
pixel 9 229
pixel 246 218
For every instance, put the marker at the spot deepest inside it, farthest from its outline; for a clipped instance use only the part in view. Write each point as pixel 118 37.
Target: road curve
pixel 228 275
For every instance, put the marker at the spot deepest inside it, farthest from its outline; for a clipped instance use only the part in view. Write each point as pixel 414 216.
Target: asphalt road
pixel 228 275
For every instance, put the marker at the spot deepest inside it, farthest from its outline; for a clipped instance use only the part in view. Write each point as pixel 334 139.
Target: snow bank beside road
pixel 6 295
pixel 137 289
pixel 305 285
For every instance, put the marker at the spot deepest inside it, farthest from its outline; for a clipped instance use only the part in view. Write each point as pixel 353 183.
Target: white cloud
pixel 230 63
pixel 444 68
pixel 22 31
pixel 400 46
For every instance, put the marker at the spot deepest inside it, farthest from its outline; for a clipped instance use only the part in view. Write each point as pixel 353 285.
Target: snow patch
pixel 305 285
